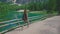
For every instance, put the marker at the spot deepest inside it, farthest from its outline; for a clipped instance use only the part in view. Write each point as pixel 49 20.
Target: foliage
pixel 35 6
pixel 51 6
pixel 58 6
pixel 6 9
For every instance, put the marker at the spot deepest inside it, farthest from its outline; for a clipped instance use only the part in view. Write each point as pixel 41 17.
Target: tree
pixel 35 6
pixel 51 6
pixel 6 10
pixel 58 6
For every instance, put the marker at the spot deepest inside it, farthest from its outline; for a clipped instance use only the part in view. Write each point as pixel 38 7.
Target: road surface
pixel 47 26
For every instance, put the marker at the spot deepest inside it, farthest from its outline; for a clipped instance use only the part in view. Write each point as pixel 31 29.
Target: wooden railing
pixel 15 21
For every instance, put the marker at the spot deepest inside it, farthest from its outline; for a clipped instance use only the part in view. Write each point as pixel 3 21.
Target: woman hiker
pixel 25 17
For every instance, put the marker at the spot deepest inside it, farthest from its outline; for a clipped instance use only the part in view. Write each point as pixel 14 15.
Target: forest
pixel 51 6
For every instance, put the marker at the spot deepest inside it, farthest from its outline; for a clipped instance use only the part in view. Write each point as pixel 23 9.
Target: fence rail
pixel 20 20
pixel 30 18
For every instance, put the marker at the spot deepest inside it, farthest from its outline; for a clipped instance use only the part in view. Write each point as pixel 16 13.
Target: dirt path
pixel 48 26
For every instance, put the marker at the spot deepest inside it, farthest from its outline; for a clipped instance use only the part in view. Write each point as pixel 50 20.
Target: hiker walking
pixel 25 17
